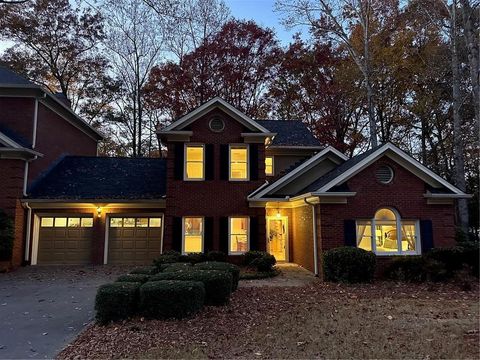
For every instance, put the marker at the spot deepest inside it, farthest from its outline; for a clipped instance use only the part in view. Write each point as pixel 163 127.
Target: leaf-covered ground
pixel 383 320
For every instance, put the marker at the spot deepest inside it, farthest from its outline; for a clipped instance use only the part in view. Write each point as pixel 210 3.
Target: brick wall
pixel 17 115
pixel 404 193
pixel 213 198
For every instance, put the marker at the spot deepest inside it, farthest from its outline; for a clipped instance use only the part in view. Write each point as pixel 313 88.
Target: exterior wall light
pixel 99 211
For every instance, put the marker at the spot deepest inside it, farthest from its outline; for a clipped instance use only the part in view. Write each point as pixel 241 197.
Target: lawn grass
pixel 383 320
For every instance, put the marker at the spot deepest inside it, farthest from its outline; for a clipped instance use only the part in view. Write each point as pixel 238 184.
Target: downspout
pixel 27 235
pixel 315 242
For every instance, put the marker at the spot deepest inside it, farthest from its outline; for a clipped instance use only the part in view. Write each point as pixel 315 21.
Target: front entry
pixel 277 237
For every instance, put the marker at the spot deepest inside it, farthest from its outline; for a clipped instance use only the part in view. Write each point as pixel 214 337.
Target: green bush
pixel 249 256
pixel 167 257
pixel 6 236
pixel 146 270
pixel 264 263
pixel 218 284
pixel 180 266
pixel 116 301
pixel 192 258
pixel 222 266
pixel 471 257
pixel 217 256
pixel 406 268
pixel 349 264
pixel 171 298
pixel 452 257
pixel 140 278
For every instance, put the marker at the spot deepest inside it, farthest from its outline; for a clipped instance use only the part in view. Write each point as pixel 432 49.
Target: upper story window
pixel 388 234
pixel 238 162
pixel 269 165
pixel 194 162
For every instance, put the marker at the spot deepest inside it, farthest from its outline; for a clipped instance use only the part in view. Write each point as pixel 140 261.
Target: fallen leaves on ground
pixel 382 320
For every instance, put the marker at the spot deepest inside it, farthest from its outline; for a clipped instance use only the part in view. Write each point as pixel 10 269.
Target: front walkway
pixel 290 275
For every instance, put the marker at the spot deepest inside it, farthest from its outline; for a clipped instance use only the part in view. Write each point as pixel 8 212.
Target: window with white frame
pixel 388 234
pixel 238 235
pixel 238 162
pixel 194 162
pixel 192 235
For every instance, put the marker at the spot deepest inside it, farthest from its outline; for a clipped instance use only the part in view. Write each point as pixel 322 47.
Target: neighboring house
pixel 36 130
pixel 234 184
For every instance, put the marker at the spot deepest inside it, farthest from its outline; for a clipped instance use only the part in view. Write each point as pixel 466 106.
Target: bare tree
pixel 335 20
pixel 134 41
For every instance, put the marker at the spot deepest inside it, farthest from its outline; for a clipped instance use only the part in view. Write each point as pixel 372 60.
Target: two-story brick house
pixel 234 184
pixel 37 128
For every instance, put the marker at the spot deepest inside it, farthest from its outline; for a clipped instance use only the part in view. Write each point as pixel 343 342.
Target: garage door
pixel 65 240
pixel 134 240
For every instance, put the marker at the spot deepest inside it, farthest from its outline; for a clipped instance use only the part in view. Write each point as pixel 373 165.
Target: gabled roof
pixel 10 136
pixel 13 146
pixel 358 163
pixel 290 133
pixel 304 166
pixel 95 178
pixel 7 76
pixel 216 102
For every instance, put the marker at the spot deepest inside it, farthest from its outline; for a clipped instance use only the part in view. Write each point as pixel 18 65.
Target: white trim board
pixel 402 159
pixel 314 160
pixel 216 102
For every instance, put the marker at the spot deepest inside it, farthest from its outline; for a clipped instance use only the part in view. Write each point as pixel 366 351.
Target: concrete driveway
pixel 42 309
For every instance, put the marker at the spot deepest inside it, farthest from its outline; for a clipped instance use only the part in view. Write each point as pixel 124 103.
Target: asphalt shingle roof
pixel 15 137
pixel 289 133
pixel 80 177
pixel 7 76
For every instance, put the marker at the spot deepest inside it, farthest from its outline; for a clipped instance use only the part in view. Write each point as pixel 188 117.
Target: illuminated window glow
pixel 387 234
pixel 269 165
pixel 238 162
pixel 194 162
pixel 192 235
pixel 71 222
pixel 238 235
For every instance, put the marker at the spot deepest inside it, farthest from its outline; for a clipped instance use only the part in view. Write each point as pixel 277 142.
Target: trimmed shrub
pixel 167 257
pixel 217 256
pixel 6 236
pixel 259 275
pixel 222 266
pixel 171 298
pixel 116 301
pixel 264 263
pixel 180 266
pixel 249 256
pixel 218 284
pixel 471 257
pixel 192 258
pixel 140 278
pixel 349 264
pixel 146 270
pixel 406 268
pixel 452 257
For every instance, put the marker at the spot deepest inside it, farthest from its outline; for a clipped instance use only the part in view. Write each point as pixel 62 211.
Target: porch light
pixel 99 211
pixel 278 214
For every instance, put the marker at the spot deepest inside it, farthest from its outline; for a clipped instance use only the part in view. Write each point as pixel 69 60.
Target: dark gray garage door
pixel 134 240
pixel 65 240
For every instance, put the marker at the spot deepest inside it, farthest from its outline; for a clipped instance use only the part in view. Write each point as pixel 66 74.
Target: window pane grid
pixel 238 163
pixel 71 222
pixel 194 162
pixel 238 235
pixel 193 235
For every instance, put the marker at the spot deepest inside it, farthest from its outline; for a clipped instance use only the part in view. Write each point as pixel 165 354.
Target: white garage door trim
pixel 107 228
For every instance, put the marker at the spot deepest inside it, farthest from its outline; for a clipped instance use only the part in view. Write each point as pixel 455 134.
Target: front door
pixel 277 237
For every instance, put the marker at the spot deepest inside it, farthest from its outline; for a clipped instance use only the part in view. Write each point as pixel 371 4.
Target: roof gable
pixel 216 102
pixel 7 76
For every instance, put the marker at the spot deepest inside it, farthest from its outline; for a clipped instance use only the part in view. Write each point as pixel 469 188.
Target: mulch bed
pixel 277 322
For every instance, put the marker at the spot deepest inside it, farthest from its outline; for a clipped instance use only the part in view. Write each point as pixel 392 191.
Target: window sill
pixel 397 254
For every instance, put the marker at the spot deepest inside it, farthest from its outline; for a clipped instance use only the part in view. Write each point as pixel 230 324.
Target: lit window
pixel 60 222
pixel 238 235
pixel 73 222
pixel 269 165
pixel 155 222
pixel 47 222
pixel 387 234
pixel 142 222
pixel 194 157
pixel 238 162
pixel 128 222
pixel 87 222
pixel 192 235
pixel 116 222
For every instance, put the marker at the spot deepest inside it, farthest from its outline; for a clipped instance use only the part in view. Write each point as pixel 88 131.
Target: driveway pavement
pixel 42 309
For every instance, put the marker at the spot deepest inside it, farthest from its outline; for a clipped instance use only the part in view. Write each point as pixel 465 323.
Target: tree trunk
pixel 458 145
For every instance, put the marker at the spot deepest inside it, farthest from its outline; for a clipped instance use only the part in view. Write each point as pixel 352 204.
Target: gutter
pixel 315 242
pixel 27 235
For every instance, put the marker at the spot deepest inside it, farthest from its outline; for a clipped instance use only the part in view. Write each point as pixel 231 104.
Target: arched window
pixel 388 234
